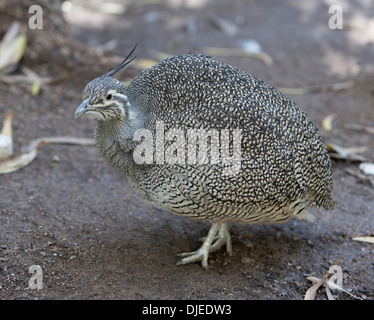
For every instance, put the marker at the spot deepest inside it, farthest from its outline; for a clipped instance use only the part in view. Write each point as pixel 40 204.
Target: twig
pixel 24 159
pixel 317 88
pixel 59 140
pixel 360 176
pixel 357 127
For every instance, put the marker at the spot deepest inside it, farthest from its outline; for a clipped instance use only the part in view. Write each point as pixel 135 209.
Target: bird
pixel 209 141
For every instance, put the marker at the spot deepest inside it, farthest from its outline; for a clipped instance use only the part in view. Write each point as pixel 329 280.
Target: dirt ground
pixel 79 220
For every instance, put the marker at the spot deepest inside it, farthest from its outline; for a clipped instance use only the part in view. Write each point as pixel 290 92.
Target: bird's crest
pixel 121 65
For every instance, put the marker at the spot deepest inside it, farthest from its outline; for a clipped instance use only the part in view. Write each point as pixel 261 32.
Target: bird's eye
pixel 109 97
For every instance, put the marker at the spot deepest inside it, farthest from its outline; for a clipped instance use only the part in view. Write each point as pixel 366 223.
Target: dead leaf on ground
pixel 367 168
pixel 349 154
pixel 12 48
pixel 361 128
pixel 335 282
pixel 364 239
pixel 327 122
pixel 312 291
pixel 317 88
pixel 16 163
pixel 229 28
pixel 360 176
pixel 250 46
pixel 6 141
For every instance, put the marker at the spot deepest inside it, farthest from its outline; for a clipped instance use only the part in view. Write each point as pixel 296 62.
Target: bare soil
pixel 79 220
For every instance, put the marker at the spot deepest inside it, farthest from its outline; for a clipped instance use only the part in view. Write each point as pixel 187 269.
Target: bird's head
pixel 105 97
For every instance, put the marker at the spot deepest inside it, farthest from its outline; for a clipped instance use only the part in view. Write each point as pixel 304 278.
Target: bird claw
pixel 198 255
pixel 212 243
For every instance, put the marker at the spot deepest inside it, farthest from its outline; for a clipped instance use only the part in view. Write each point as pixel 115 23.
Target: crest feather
pixel 121 65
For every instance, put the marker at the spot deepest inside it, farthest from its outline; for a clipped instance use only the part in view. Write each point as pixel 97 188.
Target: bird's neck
pixel 115 131
pixel 114 141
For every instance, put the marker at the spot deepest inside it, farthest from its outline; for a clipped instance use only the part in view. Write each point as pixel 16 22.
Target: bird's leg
pixel 222 238
pixel 202 254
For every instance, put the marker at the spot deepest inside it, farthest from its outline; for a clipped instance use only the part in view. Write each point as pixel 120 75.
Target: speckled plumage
pixel 284 167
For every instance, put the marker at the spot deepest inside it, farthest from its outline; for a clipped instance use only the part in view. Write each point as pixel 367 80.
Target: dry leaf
pixel 357 127
pixel 35 79
pixel 12 48
pixel 35 88
pixel 23 160
pixel 317 88
pixel 329 294
pixel 336 275
pixel 7 125
pixel 327 122
pixel 360 176
pixel 250 46
pixel 367 168
pixel 330 284
pixel 17 163
pixel 364 239
pixel 334 283
pixel 229 28
pixel 311 292
pixel 6 141
pixel 349 154
pixel 333 286
pixel 29 77
pixel 112 8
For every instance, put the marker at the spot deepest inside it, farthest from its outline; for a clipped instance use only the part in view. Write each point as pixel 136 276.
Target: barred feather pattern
pixel 284 168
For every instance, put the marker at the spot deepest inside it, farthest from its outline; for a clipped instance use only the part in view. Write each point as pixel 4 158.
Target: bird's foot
pixel 212 243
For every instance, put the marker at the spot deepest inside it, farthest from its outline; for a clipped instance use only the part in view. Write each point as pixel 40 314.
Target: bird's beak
pixel 81 109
